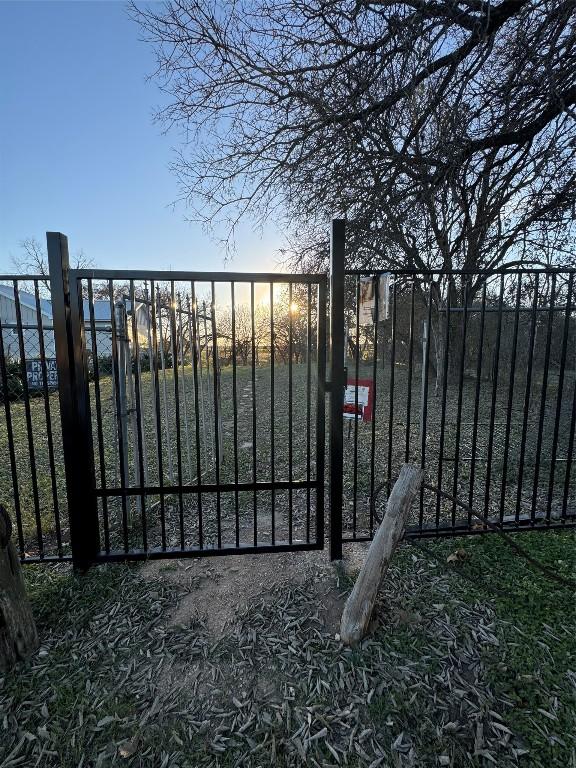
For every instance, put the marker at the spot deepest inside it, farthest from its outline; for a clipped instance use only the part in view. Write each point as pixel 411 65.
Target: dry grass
pixel 453 674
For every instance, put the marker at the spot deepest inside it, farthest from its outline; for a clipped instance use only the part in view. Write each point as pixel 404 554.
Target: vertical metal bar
pixel 459 405
pixel 185 398
pixel 392 378
pixel 209 389
pixel 290 393
pixel 158 417
pixel 121 319
pixel 235 421
pixel 151 359
pixel 527 398
pixel 272 416
pixel 321 411
pixel 200 372
pixel 510 405
pixel 120 420
pixel 139 460
pixel 219 398
pixel 443 408
pixel 165 388
pixel 193 320
pixel 410 367
pixel 494 399
pixel 48 415
pixel 374 398
pixel 544 392
pixel 131 420
pixel 337 383
pixel 477 402
pixel 253 372
pixel 98 404
pixel 357 376
pixel 425 382
pixel 559 394
pixel 74 403
pixel 308 403
pixel 142 411
pixel 177 409
pixel 216 415
pixel 89 510
pixel 28 417
pixel 11 443
pixel 569 455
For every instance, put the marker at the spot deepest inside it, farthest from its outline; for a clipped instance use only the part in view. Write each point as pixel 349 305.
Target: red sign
pixel 358 391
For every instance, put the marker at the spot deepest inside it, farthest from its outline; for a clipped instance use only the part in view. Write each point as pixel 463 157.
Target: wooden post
pixel 18 636
pixel 360 605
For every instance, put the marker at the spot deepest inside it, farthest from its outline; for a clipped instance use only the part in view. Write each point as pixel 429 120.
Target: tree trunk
pixel 439 356
pixel 18 636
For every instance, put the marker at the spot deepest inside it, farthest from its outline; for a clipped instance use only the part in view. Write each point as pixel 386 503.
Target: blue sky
pixel 80 152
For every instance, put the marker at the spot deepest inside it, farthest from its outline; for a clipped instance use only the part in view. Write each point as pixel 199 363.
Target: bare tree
pixel 241 329
pixel 33 260
pixel 445 131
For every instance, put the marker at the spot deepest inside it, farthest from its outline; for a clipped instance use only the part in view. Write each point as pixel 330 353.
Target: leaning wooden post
pixel 18 636
pixel 360 605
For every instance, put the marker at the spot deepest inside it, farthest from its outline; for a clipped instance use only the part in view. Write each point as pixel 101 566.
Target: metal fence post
pixel 337 384
pixel 67 312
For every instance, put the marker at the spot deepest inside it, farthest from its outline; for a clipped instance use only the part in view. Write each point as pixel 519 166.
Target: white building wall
pixel 30 336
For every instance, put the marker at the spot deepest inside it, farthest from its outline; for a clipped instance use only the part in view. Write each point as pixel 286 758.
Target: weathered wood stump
pixel 360 605
pixel 18 636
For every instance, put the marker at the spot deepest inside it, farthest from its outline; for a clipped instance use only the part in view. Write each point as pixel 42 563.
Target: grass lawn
pixel 472 663
pixel 391 436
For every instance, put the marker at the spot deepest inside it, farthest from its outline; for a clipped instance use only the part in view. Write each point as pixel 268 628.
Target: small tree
pixel 33 260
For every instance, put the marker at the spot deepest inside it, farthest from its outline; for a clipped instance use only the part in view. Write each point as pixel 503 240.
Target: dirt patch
pixel 216 596
pixel 220 587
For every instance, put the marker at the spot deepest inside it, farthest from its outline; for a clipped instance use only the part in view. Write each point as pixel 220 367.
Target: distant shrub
pixel 14 389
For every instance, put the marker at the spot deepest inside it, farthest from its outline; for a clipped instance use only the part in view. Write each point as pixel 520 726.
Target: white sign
pixel 350 410
pixel 368 298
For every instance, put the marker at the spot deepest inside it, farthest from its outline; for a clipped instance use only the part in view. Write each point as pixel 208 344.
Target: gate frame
pixel 76 416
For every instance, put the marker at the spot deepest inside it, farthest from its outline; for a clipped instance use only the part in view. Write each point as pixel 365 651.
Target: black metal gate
pixel 193 410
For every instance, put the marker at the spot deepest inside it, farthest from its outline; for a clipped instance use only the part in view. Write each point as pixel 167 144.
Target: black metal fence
pixel 162 414
pixel 470 374
pixel 31 468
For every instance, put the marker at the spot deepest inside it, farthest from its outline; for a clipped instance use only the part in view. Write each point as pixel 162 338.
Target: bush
pixel 14 388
